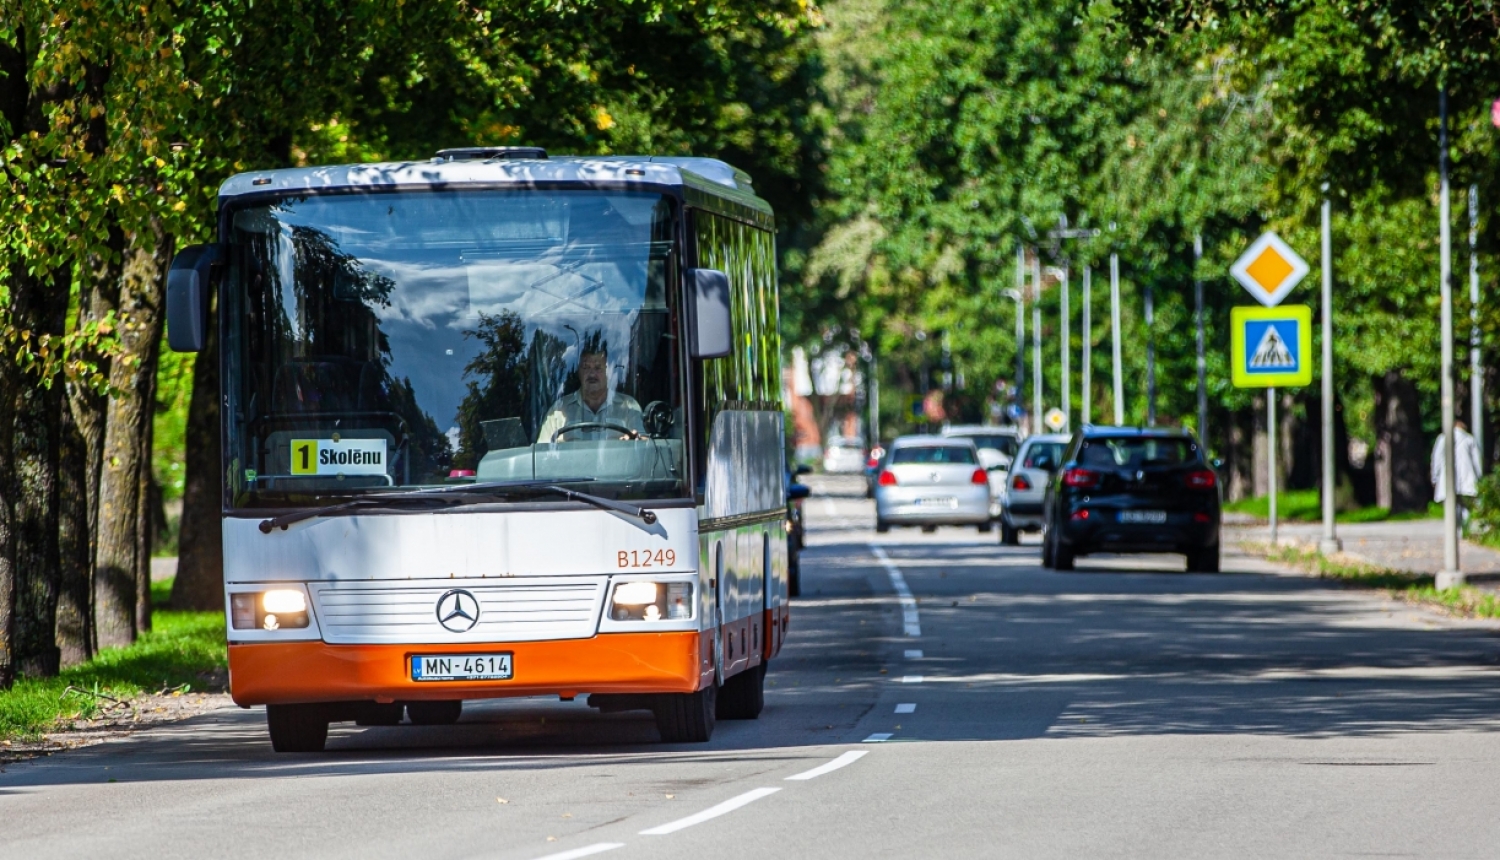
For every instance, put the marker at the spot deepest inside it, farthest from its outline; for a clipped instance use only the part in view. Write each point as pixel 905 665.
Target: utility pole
pixel 1150 358
pixel 1476 365
pixel 1114 335
pixel 1036 342
pixel 1330 543
pixel 1271 481
pixel 1088 353
pixel 1450 576
pixel 1065 352
pixel 874 402
pixel 1020 298
pixel 1202 363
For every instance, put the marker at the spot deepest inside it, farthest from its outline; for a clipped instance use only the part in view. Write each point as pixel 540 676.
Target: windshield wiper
pixel 458 496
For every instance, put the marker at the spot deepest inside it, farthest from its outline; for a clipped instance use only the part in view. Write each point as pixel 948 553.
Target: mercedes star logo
pixel 458 610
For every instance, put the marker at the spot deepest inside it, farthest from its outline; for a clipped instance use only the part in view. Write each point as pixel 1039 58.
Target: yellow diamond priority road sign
pixel 1269 269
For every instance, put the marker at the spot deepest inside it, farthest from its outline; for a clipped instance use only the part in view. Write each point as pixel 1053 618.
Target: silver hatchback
pixel 1026 485
pixel 931 481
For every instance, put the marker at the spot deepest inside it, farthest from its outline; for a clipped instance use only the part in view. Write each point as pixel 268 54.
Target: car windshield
pixel 1001 442
pixel 418 338
pixel 1043 455
pixel 933 454
pixel 1133 452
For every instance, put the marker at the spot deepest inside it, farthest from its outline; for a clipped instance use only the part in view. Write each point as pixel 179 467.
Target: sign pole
pixel 1450 576
pixel 1021 327
pixel 1066 345
pixel 1150 359
pixel 1476 364
pixel 1036 340
pixel 1114 334
pixel 1202 363
pixel 1088 353
pixel 1330 543
pixel 1271 456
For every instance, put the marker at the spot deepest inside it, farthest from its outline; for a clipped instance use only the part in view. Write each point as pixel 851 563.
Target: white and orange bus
pixel 495 424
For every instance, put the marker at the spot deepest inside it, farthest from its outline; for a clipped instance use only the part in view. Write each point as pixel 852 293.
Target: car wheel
pixel 297 728
pixel 927 530
pixel 882 526
pixel 986 527
pixel 1047 548
pixel 1062 557
pixel 1204 560
pixel 1009 536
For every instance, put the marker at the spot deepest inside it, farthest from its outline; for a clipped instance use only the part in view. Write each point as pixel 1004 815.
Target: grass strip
pixel 181 648
pixel 1411 587
pixel 1305 506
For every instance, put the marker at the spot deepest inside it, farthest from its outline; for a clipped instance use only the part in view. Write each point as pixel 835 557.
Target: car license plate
pixel 1149 517
pixel 938 502
pixel 461 667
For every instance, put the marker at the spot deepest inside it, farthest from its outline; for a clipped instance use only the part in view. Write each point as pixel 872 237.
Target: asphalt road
pixel 1125 709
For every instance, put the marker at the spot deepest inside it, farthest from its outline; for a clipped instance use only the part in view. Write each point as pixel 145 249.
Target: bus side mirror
pixel 797 492
pixel 187 297
pixel 711 334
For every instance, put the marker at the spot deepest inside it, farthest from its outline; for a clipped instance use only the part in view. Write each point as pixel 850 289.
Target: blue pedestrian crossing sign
pixel 1271 347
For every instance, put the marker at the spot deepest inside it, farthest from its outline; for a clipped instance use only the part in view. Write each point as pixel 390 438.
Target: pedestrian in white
pixel 1465 468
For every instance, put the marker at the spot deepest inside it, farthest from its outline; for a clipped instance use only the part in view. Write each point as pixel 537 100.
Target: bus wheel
pixel 744 695
pixel 434 713
pixel 297 728
pixel 683 718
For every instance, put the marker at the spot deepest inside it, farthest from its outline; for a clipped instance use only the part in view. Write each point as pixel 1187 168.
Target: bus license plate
pixel 461 667
pixel 1149 517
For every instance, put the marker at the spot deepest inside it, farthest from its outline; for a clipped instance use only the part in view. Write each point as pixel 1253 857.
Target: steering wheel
pixel 594 425
pixel 658 419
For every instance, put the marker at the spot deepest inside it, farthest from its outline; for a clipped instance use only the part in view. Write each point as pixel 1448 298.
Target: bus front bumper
pixel 276 673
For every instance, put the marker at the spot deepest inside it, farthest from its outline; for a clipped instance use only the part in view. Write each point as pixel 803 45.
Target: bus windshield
pixel 425 338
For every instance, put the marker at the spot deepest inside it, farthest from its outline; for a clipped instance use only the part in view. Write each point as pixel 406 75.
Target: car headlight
pixel 276 609
pixel 651 601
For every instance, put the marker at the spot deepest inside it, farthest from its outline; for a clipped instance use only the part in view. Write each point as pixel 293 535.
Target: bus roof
pixel 707 175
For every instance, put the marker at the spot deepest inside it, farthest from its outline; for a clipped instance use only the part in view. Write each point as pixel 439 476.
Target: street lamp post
pixel 1450 576
pixel 1036 341
pixel 1198 321
pixel 1150 358
pixel 1330 542
pixel 1063 232
pixel 1114 335
pixel 1476 363
pixel 1088 354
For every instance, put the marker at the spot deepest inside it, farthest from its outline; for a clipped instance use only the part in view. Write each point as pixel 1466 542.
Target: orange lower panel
pixel 291 672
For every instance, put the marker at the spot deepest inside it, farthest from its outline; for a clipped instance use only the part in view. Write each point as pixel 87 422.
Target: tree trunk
pixel 1239 462
pixel 1401 466
pixel 8 388
pixel 122 575
pixel 39 304
pixel 75 634
pixel 200 544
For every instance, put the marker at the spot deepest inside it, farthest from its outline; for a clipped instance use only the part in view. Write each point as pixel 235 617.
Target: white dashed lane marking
pixel 710 813
pixel 911 679
pixel 878 737
pixel 910 623
pixel 906 708
pixel 913 654
pixel 586 851
pixel 844 760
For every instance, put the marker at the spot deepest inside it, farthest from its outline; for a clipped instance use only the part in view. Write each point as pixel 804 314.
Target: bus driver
pixel 594 403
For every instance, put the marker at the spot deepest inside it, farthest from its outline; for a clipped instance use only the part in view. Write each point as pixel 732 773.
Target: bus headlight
pixel 276 609
pixel 651 601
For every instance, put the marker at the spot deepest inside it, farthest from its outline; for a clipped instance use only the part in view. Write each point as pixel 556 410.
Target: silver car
pixel 932 481
pixel 1026 485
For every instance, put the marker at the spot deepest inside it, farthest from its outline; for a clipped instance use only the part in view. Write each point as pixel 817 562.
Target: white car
pixel 844 454
pixel 997 447
pixel 1026 485
pixel 932 481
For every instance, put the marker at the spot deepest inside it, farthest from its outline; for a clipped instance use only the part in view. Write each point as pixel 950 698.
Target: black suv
pixel 1128 489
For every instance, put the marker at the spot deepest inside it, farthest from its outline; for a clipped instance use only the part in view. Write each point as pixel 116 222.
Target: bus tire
pixel 434 713
pixel 743 697
pixel 297 728
pixel 687 718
